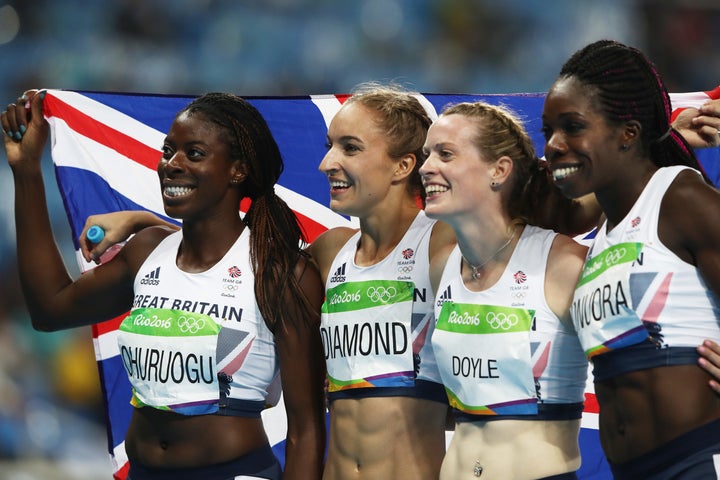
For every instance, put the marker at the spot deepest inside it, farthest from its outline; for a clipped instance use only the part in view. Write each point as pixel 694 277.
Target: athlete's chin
pixel 344 208
pixel 434 211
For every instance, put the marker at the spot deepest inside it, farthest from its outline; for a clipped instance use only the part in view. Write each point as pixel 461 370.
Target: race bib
pixel 169 356
pixel 483 352
pixel 602 314
pixel 365 332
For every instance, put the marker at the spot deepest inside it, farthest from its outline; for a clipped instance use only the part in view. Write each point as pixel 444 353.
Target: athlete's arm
pixel 564 265
pixel 53 299
pixel 118 226
pixel 302 369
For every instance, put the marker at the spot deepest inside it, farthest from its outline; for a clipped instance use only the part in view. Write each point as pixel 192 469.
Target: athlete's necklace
pixel 476 268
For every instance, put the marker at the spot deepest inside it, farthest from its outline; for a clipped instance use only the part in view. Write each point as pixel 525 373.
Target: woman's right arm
pixel 53 299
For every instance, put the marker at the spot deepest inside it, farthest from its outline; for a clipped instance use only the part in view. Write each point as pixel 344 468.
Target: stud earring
pixel 624 147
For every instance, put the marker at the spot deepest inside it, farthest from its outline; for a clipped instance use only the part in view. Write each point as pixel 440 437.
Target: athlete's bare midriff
pixel 169 440
pixel 385 437
pixel 517 449
pixel 642 410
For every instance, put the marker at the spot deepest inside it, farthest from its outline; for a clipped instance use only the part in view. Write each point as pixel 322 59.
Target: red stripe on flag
pixel 591 404
pixel 101 133
pixel 102 328
pixel 342 97
pixel 311 227
pixel 122 473
pixel 714 93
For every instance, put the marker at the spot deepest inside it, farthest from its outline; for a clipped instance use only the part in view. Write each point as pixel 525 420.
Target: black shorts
pixel 689 457
pixel 260 464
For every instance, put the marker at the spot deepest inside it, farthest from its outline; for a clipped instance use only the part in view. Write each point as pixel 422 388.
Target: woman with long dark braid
pixel 648 295
pixel 219 310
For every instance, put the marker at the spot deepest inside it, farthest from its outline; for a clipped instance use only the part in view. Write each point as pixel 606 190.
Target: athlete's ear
pixel 238 172
pixel 631 133
pixel 501 170
pixel 405 166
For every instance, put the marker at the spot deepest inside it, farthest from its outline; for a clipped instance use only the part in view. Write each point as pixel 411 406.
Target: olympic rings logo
pixel 405 269
pixel 501 320
pixel 613 257
pixel 191 325
pixel 381 294
pixel 230 287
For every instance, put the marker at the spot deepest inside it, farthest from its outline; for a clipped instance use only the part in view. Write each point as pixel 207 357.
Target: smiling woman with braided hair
pixel 655 262
pixel 201 359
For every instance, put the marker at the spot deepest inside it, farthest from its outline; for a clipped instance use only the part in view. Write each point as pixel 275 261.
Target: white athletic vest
pixel 377 321
pixel 195 343
pixel 634 292
pixel 503 352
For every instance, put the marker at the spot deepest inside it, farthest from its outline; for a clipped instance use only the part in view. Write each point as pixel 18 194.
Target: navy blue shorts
pixel 562 476
pixel 688 457
pixel 261 464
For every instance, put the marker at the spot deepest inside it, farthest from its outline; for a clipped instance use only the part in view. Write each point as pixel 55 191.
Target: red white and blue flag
pixel 105 147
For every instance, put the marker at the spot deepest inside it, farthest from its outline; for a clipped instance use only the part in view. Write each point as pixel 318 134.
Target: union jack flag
pixel 105 147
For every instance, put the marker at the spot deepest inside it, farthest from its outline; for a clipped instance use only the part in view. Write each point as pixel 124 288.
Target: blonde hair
pixel 402 117
pixel 500 133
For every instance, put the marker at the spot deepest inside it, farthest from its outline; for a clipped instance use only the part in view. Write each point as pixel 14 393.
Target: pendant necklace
pixel 476 268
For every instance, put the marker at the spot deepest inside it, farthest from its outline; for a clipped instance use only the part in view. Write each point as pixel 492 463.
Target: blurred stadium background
pixel 51 421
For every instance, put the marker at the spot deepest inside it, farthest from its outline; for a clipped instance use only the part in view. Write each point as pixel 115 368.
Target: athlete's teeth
pixel 432 189
pixel 561 173
pixel 177 191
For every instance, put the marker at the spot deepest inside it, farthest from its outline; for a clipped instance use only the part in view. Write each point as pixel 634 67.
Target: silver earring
pixel 624 147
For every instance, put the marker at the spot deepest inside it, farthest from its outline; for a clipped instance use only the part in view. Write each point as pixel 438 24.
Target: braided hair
pixel 403 119
pixel 276 236
pixel 501 133
pixel 627 86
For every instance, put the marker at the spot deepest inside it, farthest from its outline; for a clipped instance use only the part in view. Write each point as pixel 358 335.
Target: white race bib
pixel 483 353
pixel 169 356
pixel 602 314
pixel 366 338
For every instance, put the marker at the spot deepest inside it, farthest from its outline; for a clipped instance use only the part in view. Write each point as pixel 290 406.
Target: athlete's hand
pixel 118 227
pixel 710 360
pixel 25 130
pixel 700 126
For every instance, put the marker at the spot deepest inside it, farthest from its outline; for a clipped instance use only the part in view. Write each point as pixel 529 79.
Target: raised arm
pixel 53 299
pixel 302 367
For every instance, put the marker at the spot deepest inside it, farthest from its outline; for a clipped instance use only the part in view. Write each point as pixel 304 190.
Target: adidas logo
pixel 152 278
pixel 446 296
pixel 339 275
